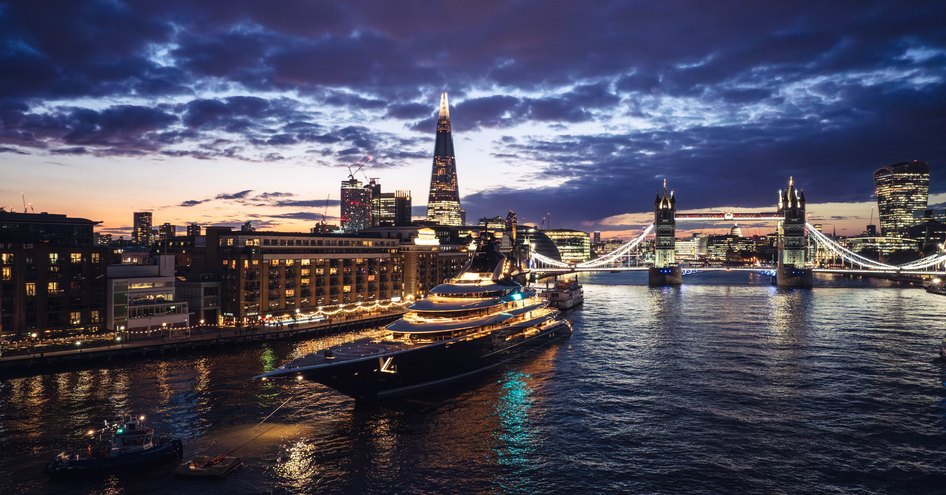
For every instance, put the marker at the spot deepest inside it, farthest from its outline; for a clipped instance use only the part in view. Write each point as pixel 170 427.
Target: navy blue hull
pixel 172 450
pixel 416 370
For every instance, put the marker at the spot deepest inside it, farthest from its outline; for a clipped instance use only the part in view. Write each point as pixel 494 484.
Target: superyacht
pixel 475 321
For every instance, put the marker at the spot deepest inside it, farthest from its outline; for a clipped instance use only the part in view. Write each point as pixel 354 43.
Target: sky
pixel 219 112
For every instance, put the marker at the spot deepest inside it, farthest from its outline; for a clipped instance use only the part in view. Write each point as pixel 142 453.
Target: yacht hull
pixel 423 368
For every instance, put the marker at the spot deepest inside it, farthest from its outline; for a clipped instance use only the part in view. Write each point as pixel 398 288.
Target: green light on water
pixel 268 359
pixel 515 433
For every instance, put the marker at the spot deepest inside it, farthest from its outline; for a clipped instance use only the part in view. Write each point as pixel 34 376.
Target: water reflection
pixel 514 434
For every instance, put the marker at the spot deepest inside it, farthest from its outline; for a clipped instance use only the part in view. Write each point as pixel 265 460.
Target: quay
pixel 102 353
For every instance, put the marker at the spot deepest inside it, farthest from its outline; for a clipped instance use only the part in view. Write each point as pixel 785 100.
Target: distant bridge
pixel 794 233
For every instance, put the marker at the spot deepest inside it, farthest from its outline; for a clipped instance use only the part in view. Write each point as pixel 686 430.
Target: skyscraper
pixel 166 232
pixel 141 228
pixel 443 205
pixel 902 189
pixel 356 205
pixel 390 209
pixel 193 229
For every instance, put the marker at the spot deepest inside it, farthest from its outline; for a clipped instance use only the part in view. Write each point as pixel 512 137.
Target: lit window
pixel 273 262
pixel 290 262
pixel 7 258
pixel 346 288
pixel 96 258
pixel 75 257
pixel 53 258
pixel 30 289
pixel 52 287
pixel 75 318
pixel 7 273
pixel 94 316
pixel 290 292
pixel 305 262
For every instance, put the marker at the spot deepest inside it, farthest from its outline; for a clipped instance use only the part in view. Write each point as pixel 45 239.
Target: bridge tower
pixel 665 270
pixel 792 249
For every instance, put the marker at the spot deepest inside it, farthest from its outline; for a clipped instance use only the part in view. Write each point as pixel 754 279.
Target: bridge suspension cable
pixel 623 252
pixel 618 253
pixel 844 253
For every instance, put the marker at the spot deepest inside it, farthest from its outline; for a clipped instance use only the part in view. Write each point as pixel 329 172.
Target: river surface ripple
pixel 724 385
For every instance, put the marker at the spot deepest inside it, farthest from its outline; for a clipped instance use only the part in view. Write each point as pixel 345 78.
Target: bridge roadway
pixel 768 270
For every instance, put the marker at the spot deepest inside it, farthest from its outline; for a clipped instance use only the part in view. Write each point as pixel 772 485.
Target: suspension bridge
pixel 793 268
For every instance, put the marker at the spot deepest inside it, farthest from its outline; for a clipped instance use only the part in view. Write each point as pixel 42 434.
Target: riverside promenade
pixel 100 353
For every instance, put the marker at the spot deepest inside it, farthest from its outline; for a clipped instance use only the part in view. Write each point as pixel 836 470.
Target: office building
pixel 141 228
pixel 356 205
pixel 141 295
pixel 166 231
pixel 193 230
pixel 443 204
pixel 51 276
pixel 574 246
pixel 389 209
pixel 902 191
pixel 276 273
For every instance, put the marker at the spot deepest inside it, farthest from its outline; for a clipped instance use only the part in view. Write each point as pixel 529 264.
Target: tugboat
pixel 475 321
pixel 566 294
pixel 122 444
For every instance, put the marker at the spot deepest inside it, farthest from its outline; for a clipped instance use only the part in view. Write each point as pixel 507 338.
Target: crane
pixel 26 205
pixel 360 164
pixel 325 212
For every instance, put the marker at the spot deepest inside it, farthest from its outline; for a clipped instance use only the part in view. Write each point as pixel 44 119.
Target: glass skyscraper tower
pixel 443 205
pixel 902 191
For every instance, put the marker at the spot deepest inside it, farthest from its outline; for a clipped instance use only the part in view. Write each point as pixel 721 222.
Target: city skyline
pixel 215 118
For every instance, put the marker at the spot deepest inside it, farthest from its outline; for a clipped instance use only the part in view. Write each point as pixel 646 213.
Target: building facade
pixel 356 205
pixel 902 191
pixel 142 228
pixel 271 274
pixel 51 276
pixel 574 246
pixel 443 204
pixel 141 295
pixel 390 209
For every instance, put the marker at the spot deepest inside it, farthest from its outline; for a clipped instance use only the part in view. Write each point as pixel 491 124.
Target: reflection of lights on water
pixel 268 358
pixel 515 432
pixel 296 466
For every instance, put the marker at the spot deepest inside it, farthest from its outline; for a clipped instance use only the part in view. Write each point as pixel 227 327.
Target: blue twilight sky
pixel 225 111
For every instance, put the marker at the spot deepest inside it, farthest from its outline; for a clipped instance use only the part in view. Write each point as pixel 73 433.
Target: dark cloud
pixel 236 195
pixel 726 100
pixel 192 202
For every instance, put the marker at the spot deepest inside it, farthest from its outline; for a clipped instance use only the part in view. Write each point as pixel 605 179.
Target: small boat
pixel 204 466
pixel 566 294
pixel 123 444
pixel 936 286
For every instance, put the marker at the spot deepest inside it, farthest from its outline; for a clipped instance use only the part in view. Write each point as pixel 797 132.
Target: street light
pixel 79 345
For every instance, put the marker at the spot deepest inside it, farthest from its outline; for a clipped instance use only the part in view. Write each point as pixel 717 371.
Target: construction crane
pixel 325 211
pixel 26 205
pixel 360 164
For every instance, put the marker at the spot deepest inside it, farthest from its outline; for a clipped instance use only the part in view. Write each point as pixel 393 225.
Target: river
pixel 723 385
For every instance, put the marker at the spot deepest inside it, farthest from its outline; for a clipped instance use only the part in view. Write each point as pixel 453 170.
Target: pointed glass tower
pixel 443 205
